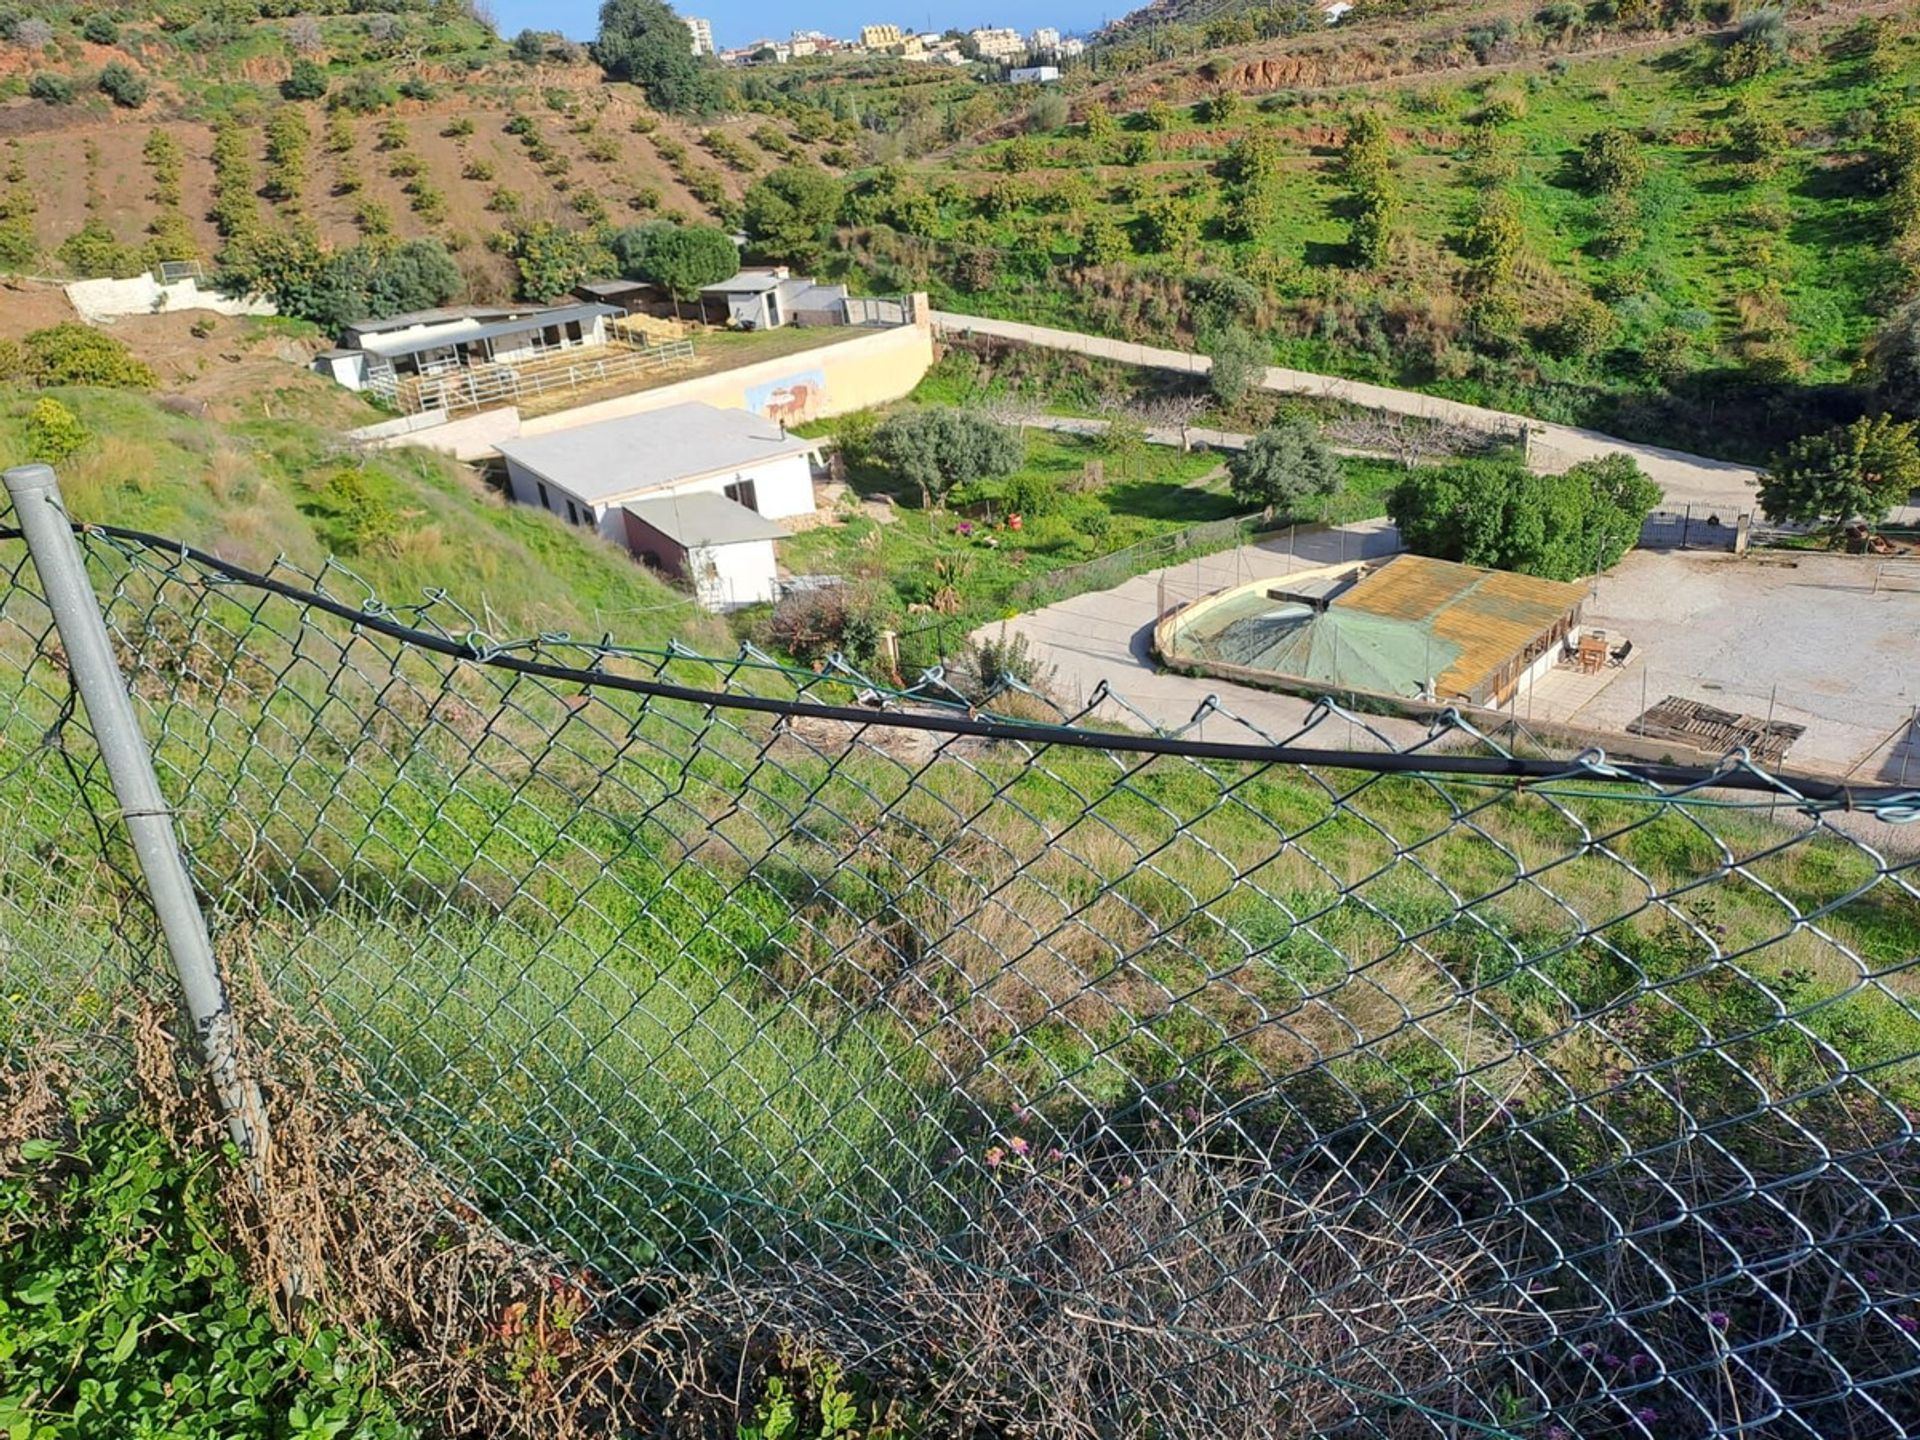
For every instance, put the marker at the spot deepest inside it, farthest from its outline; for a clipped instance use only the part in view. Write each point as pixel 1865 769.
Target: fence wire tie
pixel 1593 761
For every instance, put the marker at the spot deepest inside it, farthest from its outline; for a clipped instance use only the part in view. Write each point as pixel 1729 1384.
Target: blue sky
pixel 737 21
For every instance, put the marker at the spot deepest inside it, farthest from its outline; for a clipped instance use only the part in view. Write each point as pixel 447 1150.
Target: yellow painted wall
pixel 870 369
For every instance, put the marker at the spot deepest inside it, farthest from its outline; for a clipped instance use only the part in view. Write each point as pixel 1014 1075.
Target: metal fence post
pixel 103 690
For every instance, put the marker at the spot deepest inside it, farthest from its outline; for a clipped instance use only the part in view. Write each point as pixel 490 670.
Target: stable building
pixel 593 474
pixel 377 354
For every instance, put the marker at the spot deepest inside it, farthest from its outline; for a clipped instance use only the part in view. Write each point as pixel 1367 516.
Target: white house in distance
pixel 617 474
pixel 765 297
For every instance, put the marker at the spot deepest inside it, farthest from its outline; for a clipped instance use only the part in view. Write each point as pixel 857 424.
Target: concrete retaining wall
pixel 871 369
pixel 102 301
pixel 471 437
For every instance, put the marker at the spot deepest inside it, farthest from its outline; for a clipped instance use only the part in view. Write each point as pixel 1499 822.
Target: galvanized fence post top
pixel 1214 1083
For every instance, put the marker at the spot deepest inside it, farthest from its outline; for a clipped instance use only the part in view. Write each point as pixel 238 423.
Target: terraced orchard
pixel 1692 240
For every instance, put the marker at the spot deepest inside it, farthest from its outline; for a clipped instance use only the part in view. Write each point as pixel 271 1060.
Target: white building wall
pixel 728 576
pixel 782 487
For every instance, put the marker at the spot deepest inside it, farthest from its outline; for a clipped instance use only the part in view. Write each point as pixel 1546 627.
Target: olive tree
pixel 938 448
pixel 1284 467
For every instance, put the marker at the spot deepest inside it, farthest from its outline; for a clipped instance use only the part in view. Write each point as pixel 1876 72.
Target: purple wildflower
pixel 994 1156
pixel 1019 1146
pixel 1718 1319
pixel 1646 1414
pixel 1907 1323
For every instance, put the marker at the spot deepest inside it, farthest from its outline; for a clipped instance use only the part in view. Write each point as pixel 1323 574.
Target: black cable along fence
pixel 1133 1084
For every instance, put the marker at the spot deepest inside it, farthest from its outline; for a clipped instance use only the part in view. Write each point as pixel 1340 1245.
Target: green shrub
pixel 1032 492
pixel 457 129
pixel 54 433
pixel 1612 162
pixel 124 86
pixel 93 252
pixel 99 29
pixel 307 81
pixel 17 243
pixel 363 93
pixel 128 1312
pixel 1761 44
pixel 1582 328
pixel 72 354
pixel 416 88
pixel 51 89
pixel 1498 513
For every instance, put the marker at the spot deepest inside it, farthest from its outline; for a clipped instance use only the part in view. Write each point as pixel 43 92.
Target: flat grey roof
pixel 748 282
pixel 637 453
pixel 705 519
pixel 455 324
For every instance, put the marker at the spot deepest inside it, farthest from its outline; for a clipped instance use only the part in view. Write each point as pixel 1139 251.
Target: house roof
pixel 703 519
pixel 748 282
pixel 456 324
pixel 616 287
pixel 1489 616
pixel 1389 628
pixel 638 453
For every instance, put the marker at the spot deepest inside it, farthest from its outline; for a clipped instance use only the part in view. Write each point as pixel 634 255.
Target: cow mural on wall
pixel 792 399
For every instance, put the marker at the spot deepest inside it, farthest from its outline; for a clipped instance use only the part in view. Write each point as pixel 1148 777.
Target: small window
pixel 742 492
pixel 573 515
pixel 541 486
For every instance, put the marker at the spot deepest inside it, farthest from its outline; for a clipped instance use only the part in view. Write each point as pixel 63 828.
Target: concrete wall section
pixel 873 368
pixel 471 437
pixel 101 301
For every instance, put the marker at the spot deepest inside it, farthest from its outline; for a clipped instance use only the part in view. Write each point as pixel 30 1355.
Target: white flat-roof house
pixel 595 474
pixel 767 297
pixel 372 354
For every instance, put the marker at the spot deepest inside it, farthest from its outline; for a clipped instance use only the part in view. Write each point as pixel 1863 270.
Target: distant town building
pixel 880 37
pixel 998 44
pixel 799 47
pixel 1072 48
pixel 702 36
pixel 1044 41
pixel 1034 74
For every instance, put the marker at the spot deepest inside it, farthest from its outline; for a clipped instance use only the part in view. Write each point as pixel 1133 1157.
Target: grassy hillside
pixel 1735 281
pixel 407 521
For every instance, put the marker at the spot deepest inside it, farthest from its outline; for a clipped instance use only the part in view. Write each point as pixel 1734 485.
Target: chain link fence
pixel 1123 1084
